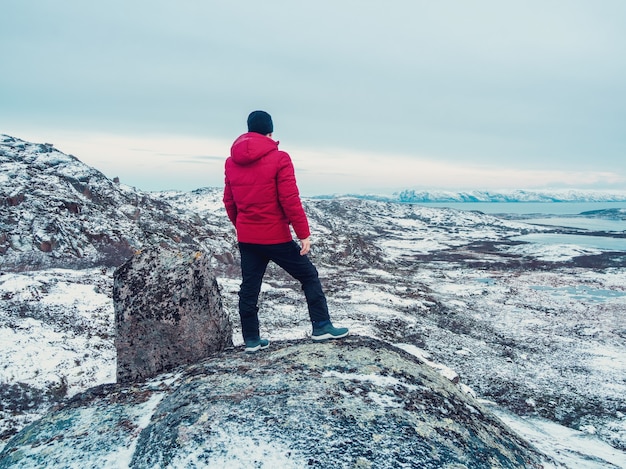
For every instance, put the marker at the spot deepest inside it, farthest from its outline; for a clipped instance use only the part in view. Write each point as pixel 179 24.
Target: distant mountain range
pixel 439 196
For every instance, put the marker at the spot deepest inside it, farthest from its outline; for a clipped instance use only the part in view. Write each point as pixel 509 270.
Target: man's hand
pixel 306 246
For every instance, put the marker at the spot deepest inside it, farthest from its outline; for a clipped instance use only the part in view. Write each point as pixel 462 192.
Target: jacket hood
pixel 251 147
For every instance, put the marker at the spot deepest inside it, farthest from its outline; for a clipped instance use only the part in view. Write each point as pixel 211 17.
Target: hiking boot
pixel 328 331
pixel 254 345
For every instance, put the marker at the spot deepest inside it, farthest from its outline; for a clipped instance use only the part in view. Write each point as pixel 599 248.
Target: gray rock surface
pixel 354 403
pixel 168 312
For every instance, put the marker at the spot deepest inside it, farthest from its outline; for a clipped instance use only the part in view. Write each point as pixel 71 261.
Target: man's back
pixel 261 198
pixel 260 195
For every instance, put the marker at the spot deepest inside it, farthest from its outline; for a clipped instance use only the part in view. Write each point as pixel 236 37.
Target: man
pixel 262 201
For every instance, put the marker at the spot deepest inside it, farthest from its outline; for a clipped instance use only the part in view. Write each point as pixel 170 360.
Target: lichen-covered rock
pixel 168 312
pixel 358 402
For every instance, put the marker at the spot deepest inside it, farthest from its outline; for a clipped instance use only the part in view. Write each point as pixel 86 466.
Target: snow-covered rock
pixel 357 403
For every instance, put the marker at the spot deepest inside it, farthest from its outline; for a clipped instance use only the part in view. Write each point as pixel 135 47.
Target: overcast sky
pixel 366 96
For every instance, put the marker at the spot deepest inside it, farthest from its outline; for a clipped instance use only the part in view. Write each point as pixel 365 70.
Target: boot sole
pixel 255 349
pixel 328 336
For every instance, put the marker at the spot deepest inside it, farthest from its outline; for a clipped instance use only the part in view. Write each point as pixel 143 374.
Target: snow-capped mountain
pixel 535 331
pixel 513 196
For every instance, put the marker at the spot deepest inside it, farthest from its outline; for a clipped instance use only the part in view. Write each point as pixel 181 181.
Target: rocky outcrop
pixel 56 211
pixel 168 312
pixel 355 403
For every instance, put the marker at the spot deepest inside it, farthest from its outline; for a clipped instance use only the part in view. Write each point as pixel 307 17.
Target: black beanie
pixel 260 122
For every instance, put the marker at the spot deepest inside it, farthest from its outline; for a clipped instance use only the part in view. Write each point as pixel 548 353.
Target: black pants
pixel 254 261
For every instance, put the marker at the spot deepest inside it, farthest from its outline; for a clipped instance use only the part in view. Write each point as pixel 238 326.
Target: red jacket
pixel 260 193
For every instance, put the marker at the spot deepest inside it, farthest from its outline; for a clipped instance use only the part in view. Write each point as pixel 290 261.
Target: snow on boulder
pixel 168 312
pixel 359 402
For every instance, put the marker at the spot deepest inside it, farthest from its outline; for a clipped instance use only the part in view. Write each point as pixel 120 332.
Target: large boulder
pixel 356 403
pixel 168 312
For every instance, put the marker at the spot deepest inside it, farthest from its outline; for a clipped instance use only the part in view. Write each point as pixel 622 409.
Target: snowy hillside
pixel 538 332
pixel 58 212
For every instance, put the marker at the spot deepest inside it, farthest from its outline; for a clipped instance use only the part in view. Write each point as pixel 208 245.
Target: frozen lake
pixel 585 223
pixel 602 243
pixel 527 208
pixel 558 214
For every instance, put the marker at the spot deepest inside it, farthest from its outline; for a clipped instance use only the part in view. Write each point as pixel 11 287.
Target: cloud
pixel 340 171
pixel 463 88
